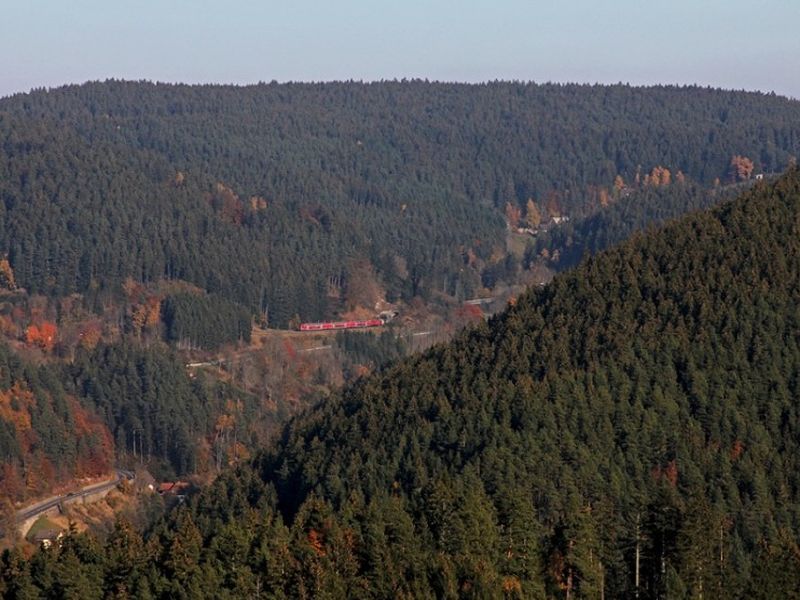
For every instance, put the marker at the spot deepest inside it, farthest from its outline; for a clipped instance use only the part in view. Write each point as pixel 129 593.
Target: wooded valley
pixel 628 429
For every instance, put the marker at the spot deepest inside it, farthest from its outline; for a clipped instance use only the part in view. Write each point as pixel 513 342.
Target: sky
pixel 734 44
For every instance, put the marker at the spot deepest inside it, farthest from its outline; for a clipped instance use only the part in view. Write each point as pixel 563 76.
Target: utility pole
pixel 638 555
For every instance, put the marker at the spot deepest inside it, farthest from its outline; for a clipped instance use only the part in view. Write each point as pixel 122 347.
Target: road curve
pixel 44 505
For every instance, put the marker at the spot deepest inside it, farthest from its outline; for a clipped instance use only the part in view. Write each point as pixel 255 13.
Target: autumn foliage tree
pixel 146 315
pixel 7 280
pixel 227 204
pixel 532 215
pixel 741 168
pixel 90 335
pixel 513 214
pixel 604 198
pixel 43 335
pixel 658 176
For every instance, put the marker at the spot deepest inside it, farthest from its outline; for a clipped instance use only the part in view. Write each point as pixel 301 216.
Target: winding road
pixel 41 507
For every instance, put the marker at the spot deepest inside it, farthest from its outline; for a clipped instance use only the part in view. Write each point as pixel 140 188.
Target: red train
pixel 340 325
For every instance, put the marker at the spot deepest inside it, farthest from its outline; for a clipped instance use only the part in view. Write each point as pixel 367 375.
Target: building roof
pixel 173 487
pixel 46 534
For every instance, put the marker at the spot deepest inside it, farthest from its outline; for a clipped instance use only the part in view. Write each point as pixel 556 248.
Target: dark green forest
pixel 639 410
pixel 272 195
pixel 155 411
pixel 204 321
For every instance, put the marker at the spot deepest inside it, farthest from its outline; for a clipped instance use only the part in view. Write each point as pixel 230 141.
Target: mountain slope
pixel 641 409
pixel 653 389
pixel 274 196
pixel 47 437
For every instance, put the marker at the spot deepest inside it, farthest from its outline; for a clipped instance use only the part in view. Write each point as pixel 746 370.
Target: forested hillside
pixel 156 411
pixel 46 436
pixel 59 423
pixel 283 197
pixel 634 421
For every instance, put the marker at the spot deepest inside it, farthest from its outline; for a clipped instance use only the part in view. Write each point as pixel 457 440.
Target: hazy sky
pixel 750 44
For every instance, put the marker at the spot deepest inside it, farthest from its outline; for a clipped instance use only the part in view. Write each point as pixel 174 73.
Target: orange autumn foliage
pixel 14 407
pixel 7 280
pixel 147 314
pixel 289 350
pixel 671 473
pixel 360 371
pixel 257 203
pixel 227 204
pixel 153 311
pixel 736 450
pixel 741 168
pixel 668 473
pixel 512 585
pixel 224 423
pixel 658 176
pixel 315 539
pixel 513 214
pixel 7 326
pixel 40 475
pixel 29 470
pixel 90 336
pixel 469 313
pixel 131 288
pixel 239 451
pixel 604 198
pixel 99 458
pixel 44 336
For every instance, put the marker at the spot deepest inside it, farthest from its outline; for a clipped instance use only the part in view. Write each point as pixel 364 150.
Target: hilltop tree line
pixel 629 430
pixel 271 195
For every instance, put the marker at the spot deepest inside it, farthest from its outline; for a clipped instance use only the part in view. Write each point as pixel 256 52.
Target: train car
pixel 329 325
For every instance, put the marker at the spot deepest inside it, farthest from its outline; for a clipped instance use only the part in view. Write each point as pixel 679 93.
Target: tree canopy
pixel 634 421
pixel 271 195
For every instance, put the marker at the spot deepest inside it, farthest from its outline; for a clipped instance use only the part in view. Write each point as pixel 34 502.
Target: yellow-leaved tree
pixel 7 280
pixel 532 215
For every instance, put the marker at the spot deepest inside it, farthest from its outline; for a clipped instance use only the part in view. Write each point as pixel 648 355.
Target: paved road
pixel 45 505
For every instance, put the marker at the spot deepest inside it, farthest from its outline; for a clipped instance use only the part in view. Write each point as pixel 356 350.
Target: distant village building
pixel 46 537
pixel 174 488
pixel 544 226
